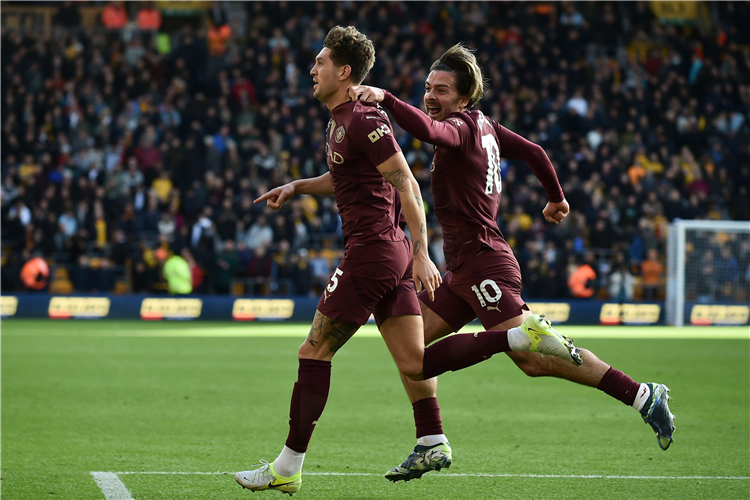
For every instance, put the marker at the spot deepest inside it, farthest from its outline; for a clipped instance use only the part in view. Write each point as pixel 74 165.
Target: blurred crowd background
pixel 136 135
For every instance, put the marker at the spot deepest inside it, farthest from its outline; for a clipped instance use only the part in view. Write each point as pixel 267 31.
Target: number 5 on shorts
pixel 334 280
pixel 485 294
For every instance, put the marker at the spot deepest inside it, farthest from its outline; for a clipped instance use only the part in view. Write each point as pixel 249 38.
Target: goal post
pixel 708 272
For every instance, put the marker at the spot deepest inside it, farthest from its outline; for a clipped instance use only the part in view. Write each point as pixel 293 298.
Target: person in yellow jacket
pixel 176 271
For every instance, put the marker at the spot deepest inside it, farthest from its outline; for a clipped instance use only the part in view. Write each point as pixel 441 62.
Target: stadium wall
pixel 302 309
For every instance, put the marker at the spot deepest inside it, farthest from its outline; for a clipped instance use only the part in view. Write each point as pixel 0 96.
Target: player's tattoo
pixel 421 228
pixel 338 334
pixel 418 199
pixel 333 333
pixel 417 247
pixel 397 178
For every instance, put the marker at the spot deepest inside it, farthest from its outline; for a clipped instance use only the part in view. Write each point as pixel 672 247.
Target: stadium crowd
pixel 117 143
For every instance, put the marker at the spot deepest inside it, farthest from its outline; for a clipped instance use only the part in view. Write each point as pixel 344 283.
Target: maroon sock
pixel 619 386
pixel 427 417
pixel 308 401
pixel 459 351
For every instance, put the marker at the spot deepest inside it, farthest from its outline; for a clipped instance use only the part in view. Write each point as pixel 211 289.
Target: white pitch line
pixel 550 476
pixel 111 486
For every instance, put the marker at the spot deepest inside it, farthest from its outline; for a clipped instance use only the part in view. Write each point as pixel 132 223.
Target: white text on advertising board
pixel 8 305
pixel 78 307
pixel 171 308
pixel 262 309
pixel 557 312
pixel 629 314
pixel 719 315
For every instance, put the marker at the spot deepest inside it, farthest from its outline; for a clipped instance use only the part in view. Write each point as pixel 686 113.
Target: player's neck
pixel 340 97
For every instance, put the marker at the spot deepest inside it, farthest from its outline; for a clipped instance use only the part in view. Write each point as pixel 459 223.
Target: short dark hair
pixel 350 47
pixel 461 61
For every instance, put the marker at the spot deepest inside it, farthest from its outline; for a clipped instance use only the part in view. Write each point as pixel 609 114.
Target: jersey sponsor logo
pixel 333 157
pixel 719 315
pixel 340 133
pixel 489 143
pixel 171 308
pixel 331 127
pixel 556 312
pixel 629 314
pixel 262 309
pixel 481 122
pixel 78 307
pixel 379 132
pixel 8 306
pixel 457 121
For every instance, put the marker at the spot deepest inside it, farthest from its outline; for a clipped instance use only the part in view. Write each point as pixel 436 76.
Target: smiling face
pixel 327 77
pixel 441 97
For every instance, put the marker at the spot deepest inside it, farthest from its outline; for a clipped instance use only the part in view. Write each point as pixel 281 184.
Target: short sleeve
pixel 372 132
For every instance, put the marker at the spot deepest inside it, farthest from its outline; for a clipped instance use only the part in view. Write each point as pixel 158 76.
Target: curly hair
pixel 351 47
pixel 461 61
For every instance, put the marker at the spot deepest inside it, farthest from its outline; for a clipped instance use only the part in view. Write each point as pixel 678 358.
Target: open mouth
pixel 433 111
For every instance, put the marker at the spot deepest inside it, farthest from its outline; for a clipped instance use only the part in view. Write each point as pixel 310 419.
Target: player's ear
pixel 345 72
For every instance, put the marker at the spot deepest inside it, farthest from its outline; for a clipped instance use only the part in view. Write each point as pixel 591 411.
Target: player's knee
pixel 308 351
pixel 411 370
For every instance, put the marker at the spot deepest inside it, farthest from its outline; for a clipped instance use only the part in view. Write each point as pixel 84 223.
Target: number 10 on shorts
pixel 485 294
pixel 334 280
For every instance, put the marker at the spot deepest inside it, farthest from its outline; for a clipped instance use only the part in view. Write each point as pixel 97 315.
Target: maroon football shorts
pixel 487 287
pixel 372 278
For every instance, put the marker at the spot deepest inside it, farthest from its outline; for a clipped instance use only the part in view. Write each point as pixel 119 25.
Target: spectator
pixel 651 272
pixel 582 281
pixel 226 264
pixel 148 18
pixel 114 16
pixel 67 15
pixel 621 282
pixel 260 234
pixel 176 271
pixel 35 273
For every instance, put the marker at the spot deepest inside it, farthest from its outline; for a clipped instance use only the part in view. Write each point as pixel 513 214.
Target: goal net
pixel 708 273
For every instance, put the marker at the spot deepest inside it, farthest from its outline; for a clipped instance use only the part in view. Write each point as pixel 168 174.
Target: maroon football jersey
pixel 466 182
pixel 358 139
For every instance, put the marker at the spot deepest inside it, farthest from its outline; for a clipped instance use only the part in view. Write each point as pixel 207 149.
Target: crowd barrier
pixel 302 309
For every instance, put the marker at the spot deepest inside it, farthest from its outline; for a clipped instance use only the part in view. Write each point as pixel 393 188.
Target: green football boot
pixel 547 340
pixel 422 459
pixel 265 478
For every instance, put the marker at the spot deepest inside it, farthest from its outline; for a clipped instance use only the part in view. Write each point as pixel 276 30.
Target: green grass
pixel 114 396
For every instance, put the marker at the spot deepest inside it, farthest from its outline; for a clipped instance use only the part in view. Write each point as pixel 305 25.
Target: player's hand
pixel 425 273
pixel 366 93
pixel 555 212
pixel 277 196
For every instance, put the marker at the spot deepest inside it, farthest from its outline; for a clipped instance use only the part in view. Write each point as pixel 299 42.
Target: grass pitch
pixel 137 398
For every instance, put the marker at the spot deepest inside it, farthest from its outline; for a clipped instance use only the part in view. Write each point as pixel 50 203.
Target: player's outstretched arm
pixel 409 118
pixel 515 147
pixel 277 196
pixel 396 171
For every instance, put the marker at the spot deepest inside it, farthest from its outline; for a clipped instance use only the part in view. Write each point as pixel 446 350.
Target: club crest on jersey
pixel 340 133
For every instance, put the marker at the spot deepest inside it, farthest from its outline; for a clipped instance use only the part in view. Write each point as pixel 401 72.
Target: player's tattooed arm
pixel 396 171
pixel 397 178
